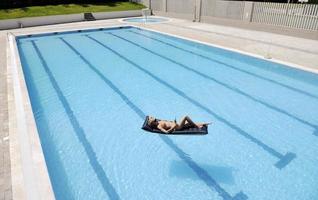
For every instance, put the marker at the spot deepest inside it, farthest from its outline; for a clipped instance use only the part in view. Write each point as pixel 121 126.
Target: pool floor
pixel 90 92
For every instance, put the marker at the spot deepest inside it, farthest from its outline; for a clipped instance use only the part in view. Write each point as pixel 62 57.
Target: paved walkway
pixel 5 170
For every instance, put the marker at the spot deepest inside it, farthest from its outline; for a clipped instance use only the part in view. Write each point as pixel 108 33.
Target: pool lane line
pixel 243 38
pixel 235 89
pixel 283 159
pixel 228 65
pixel 97 167
pixel 200 172
pixel 62 186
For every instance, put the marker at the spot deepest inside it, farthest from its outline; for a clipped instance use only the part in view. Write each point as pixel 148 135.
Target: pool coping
pixel 30 178
pixel 269 59
pixel 142 26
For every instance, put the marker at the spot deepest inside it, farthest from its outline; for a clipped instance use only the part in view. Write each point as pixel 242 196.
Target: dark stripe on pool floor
pixel 204 176
pixel 229 66
pixel 244 38
pixel 283 159
pixel 62 189
pixel 97 167
pixel 220 83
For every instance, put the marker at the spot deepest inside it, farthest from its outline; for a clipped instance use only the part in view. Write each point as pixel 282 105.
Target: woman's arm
pixel 172 128
pixel 162 128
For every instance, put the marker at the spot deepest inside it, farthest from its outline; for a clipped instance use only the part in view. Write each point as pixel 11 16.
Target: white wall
pixel 119 14
pixel 58 19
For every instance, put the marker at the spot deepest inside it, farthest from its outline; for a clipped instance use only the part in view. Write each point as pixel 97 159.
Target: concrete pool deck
pixel 298 52
pixel 5 170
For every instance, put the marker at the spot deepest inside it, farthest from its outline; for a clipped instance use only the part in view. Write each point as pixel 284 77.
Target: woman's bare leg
pixel 186 121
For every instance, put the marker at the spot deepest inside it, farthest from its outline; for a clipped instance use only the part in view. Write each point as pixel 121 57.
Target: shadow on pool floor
pixel 221 174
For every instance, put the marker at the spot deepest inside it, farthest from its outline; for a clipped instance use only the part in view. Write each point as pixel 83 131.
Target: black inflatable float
pixel 186 131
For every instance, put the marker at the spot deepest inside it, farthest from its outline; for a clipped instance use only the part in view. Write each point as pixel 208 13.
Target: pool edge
pixel 120 23
pixel 29 174
pixel 254 55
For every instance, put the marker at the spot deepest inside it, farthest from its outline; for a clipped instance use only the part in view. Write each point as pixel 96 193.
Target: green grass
pixel 35 11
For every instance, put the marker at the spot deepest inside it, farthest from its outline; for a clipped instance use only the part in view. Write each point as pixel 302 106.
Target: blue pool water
pixel 145 20
pixel 91 90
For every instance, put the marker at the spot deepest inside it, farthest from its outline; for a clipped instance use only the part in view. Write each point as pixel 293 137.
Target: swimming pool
pixel 90 92
pixel 145 20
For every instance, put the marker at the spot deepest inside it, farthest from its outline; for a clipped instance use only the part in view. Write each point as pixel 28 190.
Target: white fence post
pixel 198 10
pixel 194 4
pixel 164 5
pixel 248 11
